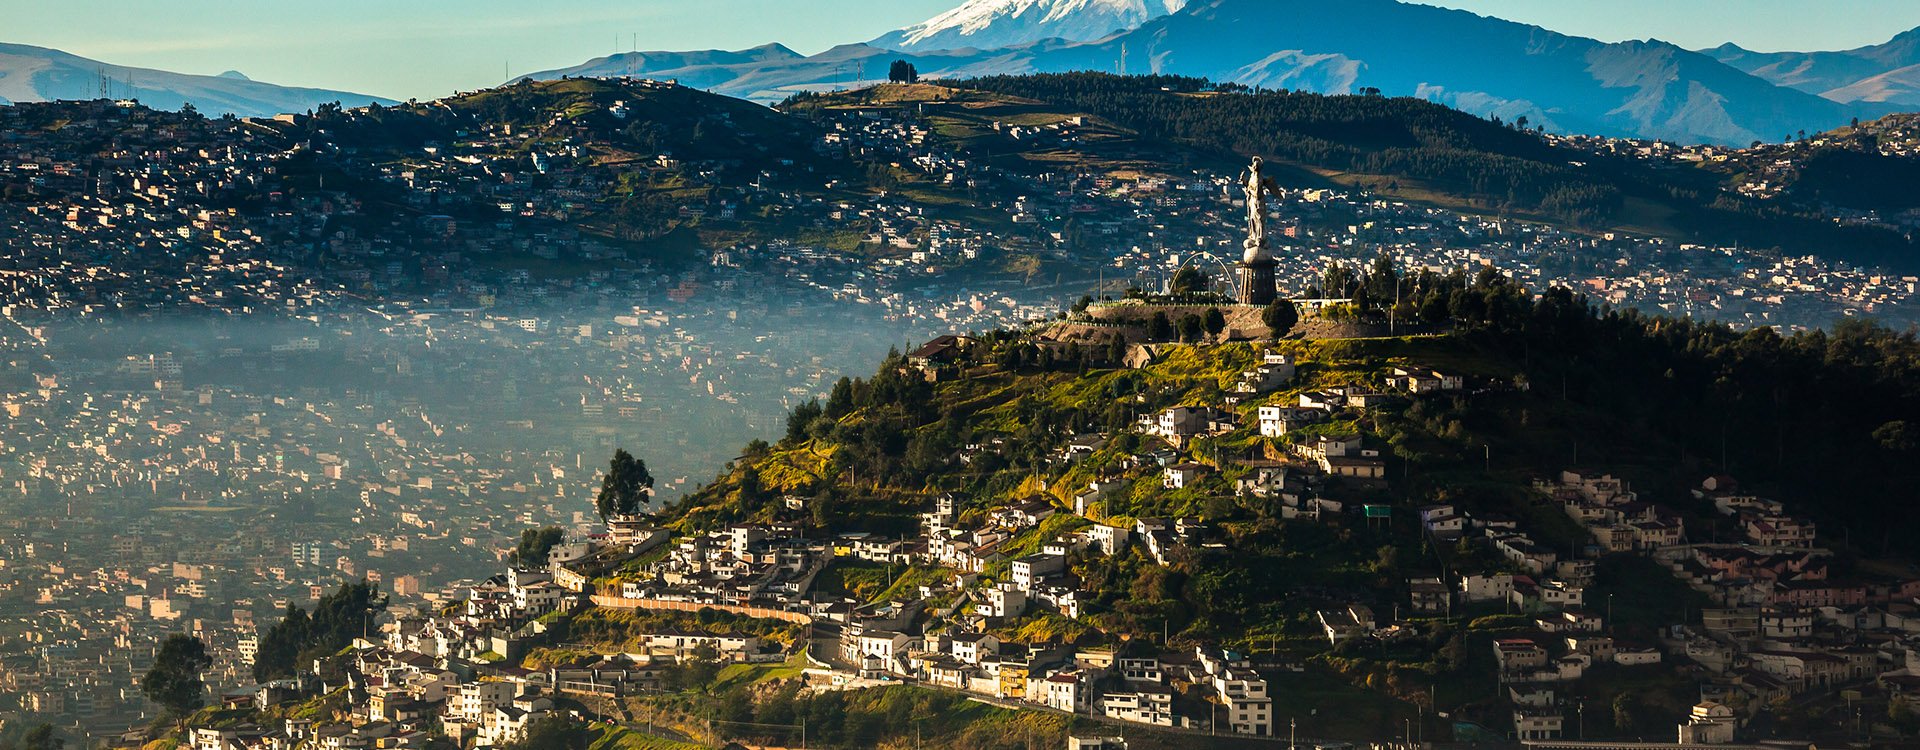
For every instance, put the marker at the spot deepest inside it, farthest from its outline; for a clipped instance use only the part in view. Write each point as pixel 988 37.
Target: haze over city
pixel 983 374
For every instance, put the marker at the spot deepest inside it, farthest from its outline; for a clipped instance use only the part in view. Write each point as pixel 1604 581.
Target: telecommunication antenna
pixel 105 84
pixel 1123 58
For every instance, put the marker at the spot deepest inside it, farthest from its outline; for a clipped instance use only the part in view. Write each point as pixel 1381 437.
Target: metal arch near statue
pixel 1226 270
pixel 1252 279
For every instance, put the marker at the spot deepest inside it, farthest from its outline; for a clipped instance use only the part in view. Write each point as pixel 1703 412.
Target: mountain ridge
pixel 30 74
pixel 1645 89
pixel 1880 73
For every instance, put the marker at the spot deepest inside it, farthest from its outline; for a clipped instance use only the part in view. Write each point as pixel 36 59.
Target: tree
pixel 551 732
pixel 752 491
pixel 1191 327
pixel 40 737
pixel 840 401
pixel 902 72
pixel 174 681
pixel 535 544
pixel 1215 322
pixel 1280 317
pixel 1624 715
pixel 1895 436
pixel 1159 328
pixel 626 487
pixel 336 620
pixel 1189 281
pixel 803 417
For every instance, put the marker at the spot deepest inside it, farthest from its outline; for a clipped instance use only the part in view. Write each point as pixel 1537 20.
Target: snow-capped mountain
pixel 1478 64
pixel 34 74
pixel 987 24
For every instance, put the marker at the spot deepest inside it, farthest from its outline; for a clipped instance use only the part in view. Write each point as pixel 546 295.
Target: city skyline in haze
pixel 429 48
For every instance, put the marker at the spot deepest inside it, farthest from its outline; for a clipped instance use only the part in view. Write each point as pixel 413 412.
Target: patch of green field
pixel 611 737
pixel 860 579
pixel 755 674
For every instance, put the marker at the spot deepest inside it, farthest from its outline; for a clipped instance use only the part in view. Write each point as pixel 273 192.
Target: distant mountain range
pixel 34 74
pixel 1487 66
pixel 1888 73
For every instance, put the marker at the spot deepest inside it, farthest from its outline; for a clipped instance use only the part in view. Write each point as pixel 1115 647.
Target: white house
pixel 1030 570
pixel 1150 705
pixel 1183 474
pixel 1002 600
pixel 973 648
pixel 1065 690
pixel 1106 539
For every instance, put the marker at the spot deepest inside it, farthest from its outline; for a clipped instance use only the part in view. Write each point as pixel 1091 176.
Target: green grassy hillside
pixel 1815 420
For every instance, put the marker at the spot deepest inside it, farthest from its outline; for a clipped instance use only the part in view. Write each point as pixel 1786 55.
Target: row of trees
pixel 301 636
pixel 1404 137
pixel 1192 327
pixel 22 736
pixel 1278 316
pixel 534 545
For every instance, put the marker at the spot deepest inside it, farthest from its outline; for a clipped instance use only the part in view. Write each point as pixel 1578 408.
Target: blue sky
pixel 426 48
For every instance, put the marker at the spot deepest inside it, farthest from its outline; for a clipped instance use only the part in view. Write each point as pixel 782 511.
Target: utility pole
pixel 1393 313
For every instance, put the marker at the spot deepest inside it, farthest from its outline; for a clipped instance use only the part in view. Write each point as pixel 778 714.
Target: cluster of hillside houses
pixel 1781 627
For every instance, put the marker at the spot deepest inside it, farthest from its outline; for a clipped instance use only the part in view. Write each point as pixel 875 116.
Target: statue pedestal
pixel 1256 282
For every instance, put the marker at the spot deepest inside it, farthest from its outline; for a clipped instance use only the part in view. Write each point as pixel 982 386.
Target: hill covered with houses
pixel 1536 519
